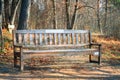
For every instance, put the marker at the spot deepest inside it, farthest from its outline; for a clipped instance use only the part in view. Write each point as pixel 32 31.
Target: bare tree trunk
pixel 1 38
pixel 54 14
pixel 70 22
pixel 74 14
pixel 7 12
pixel 24 14
pixel 105 19
pixel 67 14
pixel 14 7
pixel 98 15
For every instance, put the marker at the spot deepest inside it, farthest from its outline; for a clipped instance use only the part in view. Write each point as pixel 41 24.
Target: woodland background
pixel 102 17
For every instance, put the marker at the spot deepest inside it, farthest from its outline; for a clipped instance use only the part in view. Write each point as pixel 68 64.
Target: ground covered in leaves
pixel 66 68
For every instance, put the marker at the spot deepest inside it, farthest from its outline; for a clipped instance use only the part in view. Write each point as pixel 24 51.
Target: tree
pixel 70 22
pixel 67 14
pixel 6 13
pixel 1 38
pixel 13 11
pixel 54 14
pixel 98 16
pixel 9 13
pixel 105 17
pixel 24 14
pixel 14 7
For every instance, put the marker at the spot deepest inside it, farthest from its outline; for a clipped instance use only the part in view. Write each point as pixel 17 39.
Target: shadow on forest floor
pixel 108 70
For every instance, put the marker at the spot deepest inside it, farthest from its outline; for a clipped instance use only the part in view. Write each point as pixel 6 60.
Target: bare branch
pixel 85 6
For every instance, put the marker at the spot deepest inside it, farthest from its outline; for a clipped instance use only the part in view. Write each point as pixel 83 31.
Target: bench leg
pixel 93 61
pixel 99 57
pixel 21 62
pixel 89 58
pixel 21 66
pixel 15 61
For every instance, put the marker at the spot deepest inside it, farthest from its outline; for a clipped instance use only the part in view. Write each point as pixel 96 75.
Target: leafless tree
pixel 24 14
pixel 1 36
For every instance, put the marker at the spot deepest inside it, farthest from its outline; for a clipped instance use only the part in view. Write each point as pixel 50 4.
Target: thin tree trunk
pixel 1 38
pixel 98 15
pixel 67 14
pixel 24 14
pixel 105 19
pixel 54 14
pixel 73 17
pixel 15 4
pixel 6 11
pixel 70 22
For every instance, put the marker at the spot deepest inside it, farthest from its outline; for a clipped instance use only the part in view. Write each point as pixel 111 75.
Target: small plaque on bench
pixel 96 53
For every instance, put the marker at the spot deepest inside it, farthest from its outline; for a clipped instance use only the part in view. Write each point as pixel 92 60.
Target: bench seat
pixel 60 51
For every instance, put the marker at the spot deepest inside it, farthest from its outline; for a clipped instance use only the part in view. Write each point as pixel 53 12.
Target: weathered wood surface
pixel 51 37
pixel 52 42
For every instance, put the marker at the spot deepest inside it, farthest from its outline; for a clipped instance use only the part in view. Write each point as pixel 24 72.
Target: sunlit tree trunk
pixel 24 14
pixel 13 11
pixel 14 7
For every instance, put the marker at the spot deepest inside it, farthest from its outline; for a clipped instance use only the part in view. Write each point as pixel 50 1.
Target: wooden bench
pixel 31 43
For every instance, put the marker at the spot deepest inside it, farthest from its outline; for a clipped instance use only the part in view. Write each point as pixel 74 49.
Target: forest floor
pixel 67 68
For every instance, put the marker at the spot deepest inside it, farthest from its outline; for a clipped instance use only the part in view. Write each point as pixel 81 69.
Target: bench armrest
pixel 18 45
pixel 95 44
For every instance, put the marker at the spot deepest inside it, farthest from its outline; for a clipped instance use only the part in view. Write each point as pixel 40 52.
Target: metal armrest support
pixel 99 49
pixel 95 44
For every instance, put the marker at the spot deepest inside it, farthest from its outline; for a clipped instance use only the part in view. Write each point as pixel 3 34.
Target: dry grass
pixel 110 47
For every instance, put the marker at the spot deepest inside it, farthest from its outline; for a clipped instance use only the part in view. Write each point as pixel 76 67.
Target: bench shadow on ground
pixel 7 71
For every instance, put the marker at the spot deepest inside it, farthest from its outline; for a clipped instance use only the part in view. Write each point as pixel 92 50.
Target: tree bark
pixel 7 13
pixel 54 14
pixel 67 14
pixel 70 22
pixel 105 19
pixel 24 15
pixel 14 7
pixel 1 38
pixel 74 15
pixel 98 16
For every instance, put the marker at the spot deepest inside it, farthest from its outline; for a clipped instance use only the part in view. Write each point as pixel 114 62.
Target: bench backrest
pixel 52 37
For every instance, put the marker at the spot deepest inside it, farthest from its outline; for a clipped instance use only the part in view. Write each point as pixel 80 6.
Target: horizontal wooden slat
pixel 58 50
pixel 66 52
pixel 51 31
pixel 65 45
pixel 61 36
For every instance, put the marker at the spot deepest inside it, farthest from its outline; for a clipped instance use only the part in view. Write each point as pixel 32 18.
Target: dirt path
pixel 78 71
